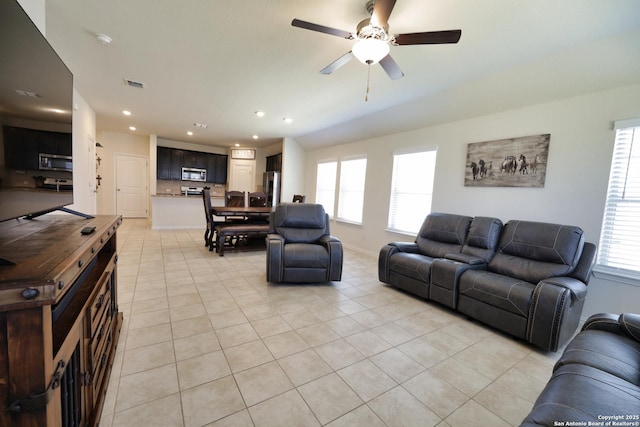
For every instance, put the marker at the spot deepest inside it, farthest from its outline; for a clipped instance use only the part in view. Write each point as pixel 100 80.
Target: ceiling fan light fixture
pixel 371 50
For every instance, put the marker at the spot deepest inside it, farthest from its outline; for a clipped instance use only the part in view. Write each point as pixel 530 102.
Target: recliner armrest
pixel 608 322
pixel 275 249
pixel 630 324
pixel 334 247
pixel 410 247
pixel 465 258
pixel 625 323
pixel 578 289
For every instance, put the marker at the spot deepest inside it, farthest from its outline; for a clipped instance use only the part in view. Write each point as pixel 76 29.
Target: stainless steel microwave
pixel 55 162
pixel 194 174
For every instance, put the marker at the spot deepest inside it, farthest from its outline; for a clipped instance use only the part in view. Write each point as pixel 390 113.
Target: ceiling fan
pixel 373 41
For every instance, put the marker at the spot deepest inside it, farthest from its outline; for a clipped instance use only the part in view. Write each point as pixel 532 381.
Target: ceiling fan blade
pixel 321 29
pixel 428 37
pixel 391 68
pixel 381 12
pixel 337 63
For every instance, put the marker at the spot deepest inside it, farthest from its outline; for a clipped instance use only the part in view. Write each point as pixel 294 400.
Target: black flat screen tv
pixel 36 109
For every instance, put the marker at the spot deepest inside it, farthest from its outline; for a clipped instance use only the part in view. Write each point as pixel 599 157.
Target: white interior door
pixel 132 192
pixel 242 176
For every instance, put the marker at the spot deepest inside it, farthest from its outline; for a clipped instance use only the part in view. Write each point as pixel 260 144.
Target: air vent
pixel 134 83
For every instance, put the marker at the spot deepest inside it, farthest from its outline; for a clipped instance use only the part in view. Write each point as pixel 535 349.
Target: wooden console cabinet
pixel 59 319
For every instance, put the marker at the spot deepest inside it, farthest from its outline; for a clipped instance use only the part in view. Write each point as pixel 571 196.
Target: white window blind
pixel 411 190
pixel 351 194
pixel 620 234
pixel 326 186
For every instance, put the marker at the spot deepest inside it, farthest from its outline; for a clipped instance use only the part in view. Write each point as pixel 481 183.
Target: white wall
pixel 293 167
pixel 116 143
pixel 84 156
pixel 574 193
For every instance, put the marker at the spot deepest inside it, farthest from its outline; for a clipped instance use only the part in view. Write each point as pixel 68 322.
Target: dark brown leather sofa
pixel 596 381
pixel 528 279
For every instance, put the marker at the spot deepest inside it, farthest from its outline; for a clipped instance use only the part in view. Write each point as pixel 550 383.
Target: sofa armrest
pixel 465 258
pixel 630 324
pixel 577 288
pixel 275 254
pixel 608 322
pixel 334 247
pixel 555 311
pixel 410 247
pixel 624 324
pixel 383 261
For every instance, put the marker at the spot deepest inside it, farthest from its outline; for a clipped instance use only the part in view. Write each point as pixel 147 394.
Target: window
pixel 620 234
pixel 326 186
pixel 351 194
pixel 411 190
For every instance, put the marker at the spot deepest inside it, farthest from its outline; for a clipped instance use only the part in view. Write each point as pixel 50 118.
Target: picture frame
pixel 243 153
pixel 511 162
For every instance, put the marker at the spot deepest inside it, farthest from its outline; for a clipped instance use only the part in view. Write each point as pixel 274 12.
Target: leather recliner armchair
pixel 300 247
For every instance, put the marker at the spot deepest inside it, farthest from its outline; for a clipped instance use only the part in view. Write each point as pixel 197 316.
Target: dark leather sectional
pixel 596 381
pixel 528 279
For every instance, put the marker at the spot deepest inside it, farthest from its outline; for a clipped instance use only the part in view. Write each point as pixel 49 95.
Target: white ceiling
pixel 218 61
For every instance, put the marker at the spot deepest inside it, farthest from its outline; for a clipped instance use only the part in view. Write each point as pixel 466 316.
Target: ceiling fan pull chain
pixel 366 96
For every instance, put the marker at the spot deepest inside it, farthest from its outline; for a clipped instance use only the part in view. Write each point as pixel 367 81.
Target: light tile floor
pixel 206 341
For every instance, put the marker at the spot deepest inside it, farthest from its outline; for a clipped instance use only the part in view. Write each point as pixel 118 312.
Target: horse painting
pixel 522 160
pixel 483 168
pixel 474 170
pixel 509 165
pixel 534 164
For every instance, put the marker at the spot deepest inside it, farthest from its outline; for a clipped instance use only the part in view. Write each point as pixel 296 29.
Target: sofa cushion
pixel 412 265
pixel 305 255
pixel 483 236
pixel 533 251
pixel 510 294
pixel 442 233
pixel 615 354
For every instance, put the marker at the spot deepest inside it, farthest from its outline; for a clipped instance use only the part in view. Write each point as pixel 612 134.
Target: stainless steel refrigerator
pixel 271 185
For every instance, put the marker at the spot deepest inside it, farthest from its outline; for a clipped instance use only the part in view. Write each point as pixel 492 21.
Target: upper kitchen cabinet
pixel 217 168
pixel 170 162
pixel 195 159
pixel 177 163
pixel 164 163
pixel 274 163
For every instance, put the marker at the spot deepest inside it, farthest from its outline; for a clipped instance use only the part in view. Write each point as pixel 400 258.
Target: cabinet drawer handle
pixel 100 302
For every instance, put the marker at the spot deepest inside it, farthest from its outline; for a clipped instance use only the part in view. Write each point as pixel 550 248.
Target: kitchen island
pixel 178 211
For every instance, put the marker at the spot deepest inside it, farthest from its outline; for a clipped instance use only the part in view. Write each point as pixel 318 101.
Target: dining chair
pixel 257 199
pixel 208 233
pixel 234 198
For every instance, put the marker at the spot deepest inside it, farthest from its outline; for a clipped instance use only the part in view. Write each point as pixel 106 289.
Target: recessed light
pixel 237 145
pixel 132 128
pixel 126 112
pixel 255 137
pixel 189 133
pixel 260 113
pixel 287 120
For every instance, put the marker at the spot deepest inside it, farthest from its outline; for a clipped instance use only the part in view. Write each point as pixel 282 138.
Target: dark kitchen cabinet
pixel 20 148
pixel 274 163
pixel 177 159
pixel 164 163
pixel 194 159
pixel 170 162
pixel 220 176
pixel 57 143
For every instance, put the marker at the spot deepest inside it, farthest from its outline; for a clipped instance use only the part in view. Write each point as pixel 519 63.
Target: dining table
pixel 249 212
